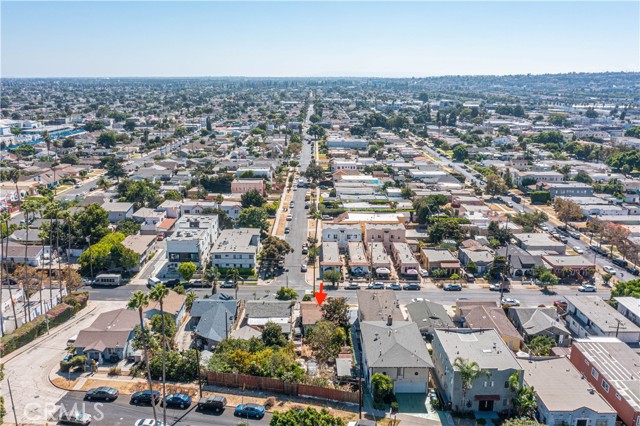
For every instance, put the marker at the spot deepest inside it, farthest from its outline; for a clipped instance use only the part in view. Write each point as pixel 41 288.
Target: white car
pixel 578 250
pixel 149 422
pixel 609 269
pixel 510 301
pixel 587 288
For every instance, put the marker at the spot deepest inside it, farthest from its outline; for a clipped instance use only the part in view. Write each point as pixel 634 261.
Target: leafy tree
pixel 124 257
pixel 541 345
pixel 169 326
pixel 407 193
pixel 272 335
pixel 254 217
pixel 115 169
pixel 180 366
pixel 186 270
pixel 326 339
pixel 107 139
pixel 460 152
pixel 540 197
pixel 70 159
pixel 558 119
pixel 334 277
pixel 129 126
pixel 530 221
pixel 426 207
pixel 630 288
pixel 446 229
pixel 173 195
pixel 471 267
pixel 141 193
pixel 567 210
pixel 382 386
pixel 308 416
pixel 252 198
pixel 336 310
pixel 314 172
pixel 128 227
pixel 286 294
pixel 521 422
pixel 583 177
pixel 633 132
pixel 495 185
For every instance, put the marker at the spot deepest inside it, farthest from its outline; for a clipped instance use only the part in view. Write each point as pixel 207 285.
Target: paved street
pixel 122 413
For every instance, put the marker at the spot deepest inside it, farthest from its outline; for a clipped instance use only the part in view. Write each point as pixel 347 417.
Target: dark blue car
pixel 250 410
pixel 179 400
pixel 145 397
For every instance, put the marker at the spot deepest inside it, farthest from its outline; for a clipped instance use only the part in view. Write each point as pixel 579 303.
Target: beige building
pixel 385 233
pixel 240 186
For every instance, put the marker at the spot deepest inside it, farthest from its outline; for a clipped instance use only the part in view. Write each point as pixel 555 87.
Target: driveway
pixel 28 368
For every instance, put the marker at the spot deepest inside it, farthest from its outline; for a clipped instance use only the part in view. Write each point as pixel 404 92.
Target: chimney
pixel 389 320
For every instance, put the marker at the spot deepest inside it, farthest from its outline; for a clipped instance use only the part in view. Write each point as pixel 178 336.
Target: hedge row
pixel 57 315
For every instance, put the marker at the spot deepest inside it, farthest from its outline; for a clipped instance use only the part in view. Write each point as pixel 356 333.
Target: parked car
pixel 289 217
pixel 145 397
pixel 172 282
pixel 305 250
pixel 574 235
pixel 633 271
pixel 149 422
pixel 609 269
pixel 452 287
pixel 509 301
pixel 67 357
pixel 394 286
pixel 411 286
pixel 250 410
pixel 74 418
pixel 227 284
pixel 563 239
pixel 286 230
pixel 578 250
pixel 179 400
pixel 212 403
pixel 376 286
pixel 499 287
pixel 560 304
pixel 103 393
pixel 326 217
pixel 352 286
pixel 303 267
pixel 424 273
pixel 587 288
pixel 620 262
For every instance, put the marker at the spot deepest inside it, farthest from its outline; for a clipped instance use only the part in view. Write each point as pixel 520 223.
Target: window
pixel 504 402
pixel 582 422
pixel 618 397
pixel 601 422
pixel 594 373
pixel 506 384
pixel 605 385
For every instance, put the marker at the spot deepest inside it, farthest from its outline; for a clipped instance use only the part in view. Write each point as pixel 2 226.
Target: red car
pixel 560 304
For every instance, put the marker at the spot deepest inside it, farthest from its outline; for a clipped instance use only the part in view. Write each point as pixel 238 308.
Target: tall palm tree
pixel 212 275
pixel 4 220
pixel 29 208
pixel 234 275
pixel 139 301
pixel 157 294
pixel 14 176
pixel 469 372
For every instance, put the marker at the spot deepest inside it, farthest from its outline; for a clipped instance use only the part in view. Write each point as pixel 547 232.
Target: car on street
pixel 609 269
pixel 563 239
pixel 74 418
pixel 286 230
pixel 394 286
pixel 250 410
pixel 376 286
pixel 578 250
pixel 214 403
pixel 326 217
pixel 418 299
pixel 544 228
pixel 574 235
pixel 289 217
pixel 411 286
pixel 179 400
pixel 227 284
pixel 510 301
pixel 172 282
pixel 633 271
pixel 352 286
pixel 560 304
pixel 499 287
pixel 303 267
pixel 587 288
pixel 103 393
pixel 620 262
pixel 145 397
pixel 452 287
pixel 424 273
pixel 149 422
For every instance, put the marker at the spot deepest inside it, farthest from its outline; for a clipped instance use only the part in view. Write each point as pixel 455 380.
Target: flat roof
pixel 602 314
pixel 560 386
pixel 484 346
pixel 632 304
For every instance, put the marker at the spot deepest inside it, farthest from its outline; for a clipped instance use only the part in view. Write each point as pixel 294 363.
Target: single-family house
pixel 534 322
pixel 118 211
pixel 173 304
pixel 433 259
pixel 378 305
pixel 108 338
pixel 482 316
pixel 406 262
pixel 429 316
pixel 212 319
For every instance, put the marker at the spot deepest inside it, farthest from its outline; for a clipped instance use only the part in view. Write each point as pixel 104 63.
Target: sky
pixel 316 39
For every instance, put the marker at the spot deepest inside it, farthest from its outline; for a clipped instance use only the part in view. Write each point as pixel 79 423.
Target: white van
pixel 111 280
pixel 153 281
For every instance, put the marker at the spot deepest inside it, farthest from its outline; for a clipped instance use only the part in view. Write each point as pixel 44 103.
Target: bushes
pixel 74 363
pixel 115 371
pixel 38 326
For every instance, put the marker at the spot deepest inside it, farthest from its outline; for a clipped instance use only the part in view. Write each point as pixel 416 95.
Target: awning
pixel 487 397
pixel 383 271
pixel 450 265
pixel 411 272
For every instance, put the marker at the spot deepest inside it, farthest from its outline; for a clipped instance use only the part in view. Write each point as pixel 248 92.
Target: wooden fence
pixel 244 381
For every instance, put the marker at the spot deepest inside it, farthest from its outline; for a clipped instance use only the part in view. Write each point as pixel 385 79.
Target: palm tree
pixel 234 275
pixel 14 176
pixel 4 220
pixel 219 199
pixel 139 301
pixel 157 294
pixel 212 275
pixel 28 207
pixel 469 372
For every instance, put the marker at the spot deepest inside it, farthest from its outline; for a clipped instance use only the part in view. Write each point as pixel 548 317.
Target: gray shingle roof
pixel 267 309
pixel 396 345
pixel 429 315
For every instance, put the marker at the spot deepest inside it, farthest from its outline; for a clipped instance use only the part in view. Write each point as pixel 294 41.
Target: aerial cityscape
pixel 282 240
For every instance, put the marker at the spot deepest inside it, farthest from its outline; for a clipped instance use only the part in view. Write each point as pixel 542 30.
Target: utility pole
pixel 13 405
pixel 618 326
pixel 198 369
pixel 360 386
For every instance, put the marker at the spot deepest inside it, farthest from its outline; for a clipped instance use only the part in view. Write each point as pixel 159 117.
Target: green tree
pixel 272 335
pixel 426 207
pixel 381 386
pixel 521 422
pixel 567 210
pixel 630 289
pixel 326 338
pixel 541 345
pixel 128 227
pixel 186 270
pixel 530 221
pixel 158 294
pixel 107 139
pixel 314 172
pixel 173 195
pixel 115 169
pixel 286 294
pixel 407 193
pixel 254 217
pixel 495 185
pixel 334 277
pixel 336 310
pixel 252 198
pixel 309 416
pixel 460 152
pixel 139 301
pixel 169 325
pixel 446 229
pixel 469 371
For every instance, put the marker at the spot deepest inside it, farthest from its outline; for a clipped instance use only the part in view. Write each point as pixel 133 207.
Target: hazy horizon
pixel 316 39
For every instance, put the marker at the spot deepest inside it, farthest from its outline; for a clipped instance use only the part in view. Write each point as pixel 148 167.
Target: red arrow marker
pixel 320 296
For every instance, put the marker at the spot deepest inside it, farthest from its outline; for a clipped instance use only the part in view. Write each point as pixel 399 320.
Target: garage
pixel 409 387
